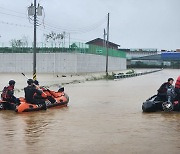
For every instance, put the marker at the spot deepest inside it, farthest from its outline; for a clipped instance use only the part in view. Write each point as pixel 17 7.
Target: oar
pixel 24 75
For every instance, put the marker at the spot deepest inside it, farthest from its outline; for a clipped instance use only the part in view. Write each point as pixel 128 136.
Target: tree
pixel 16 43
pixel 53 36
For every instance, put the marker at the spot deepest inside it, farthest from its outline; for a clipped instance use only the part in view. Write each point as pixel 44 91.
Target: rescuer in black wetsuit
pixel 33 93
pixel 50 98
pixel 166 91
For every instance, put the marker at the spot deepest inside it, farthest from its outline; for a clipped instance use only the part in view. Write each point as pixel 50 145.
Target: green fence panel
pixel 75 47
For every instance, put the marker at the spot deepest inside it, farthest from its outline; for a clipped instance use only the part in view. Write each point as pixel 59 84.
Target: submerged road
pixel 103 117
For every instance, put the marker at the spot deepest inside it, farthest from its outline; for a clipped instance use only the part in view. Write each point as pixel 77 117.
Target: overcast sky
pixel 133 23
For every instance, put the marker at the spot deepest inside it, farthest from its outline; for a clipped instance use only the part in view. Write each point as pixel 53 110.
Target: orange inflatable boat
pixel 61 100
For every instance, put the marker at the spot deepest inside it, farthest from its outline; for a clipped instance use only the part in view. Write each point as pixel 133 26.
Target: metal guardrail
pixel 122 75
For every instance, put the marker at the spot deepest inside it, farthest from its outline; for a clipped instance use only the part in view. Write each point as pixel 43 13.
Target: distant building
pixel 177 50
pixel 134 56
pixel 136 53
pixel 101 42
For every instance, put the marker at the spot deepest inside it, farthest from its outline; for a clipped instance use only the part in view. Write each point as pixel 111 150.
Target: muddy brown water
pixel 103 117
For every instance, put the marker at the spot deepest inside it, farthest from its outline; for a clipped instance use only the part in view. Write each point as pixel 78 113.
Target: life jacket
pixel 56 94
pixel 44 95
pixel 7 92
pixel 177 84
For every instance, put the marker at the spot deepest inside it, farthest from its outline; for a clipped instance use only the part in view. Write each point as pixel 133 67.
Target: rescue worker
pixel 8 96
pixel 8 93
pixel 36 82
pixel 33 94
pixel 49 97
pixel 177 87
pixel 61 89
pixel 166 91
pixel 177 90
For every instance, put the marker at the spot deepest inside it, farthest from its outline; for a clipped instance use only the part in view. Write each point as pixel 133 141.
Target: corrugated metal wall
pixel 170 56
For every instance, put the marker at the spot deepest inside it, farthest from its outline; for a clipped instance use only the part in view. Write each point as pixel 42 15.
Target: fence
pixel 74 47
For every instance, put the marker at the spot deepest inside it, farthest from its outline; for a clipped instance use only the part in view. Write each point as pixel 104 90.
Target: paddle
pixel 24 75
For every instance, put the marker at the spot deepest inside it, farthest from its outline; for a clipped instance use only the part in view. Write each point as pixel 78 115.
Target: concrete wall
pixel 59 63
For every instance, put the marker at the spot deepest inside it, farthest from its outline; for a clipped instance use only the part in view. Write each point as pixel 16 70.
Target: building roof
pixel 102 40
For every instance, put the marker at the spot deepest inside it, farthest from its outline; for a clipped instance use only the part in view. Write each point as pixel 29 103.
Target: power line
pixel 12 15
pixel 78 30
pixel 14 24
pixel 12 11
pixel 59 28
pixel 49 27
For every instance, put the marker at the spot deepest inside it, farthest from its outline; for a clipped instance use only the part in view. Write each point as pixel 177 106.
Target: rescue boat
pixel 4 105
pixel 61 100
pixel 154 104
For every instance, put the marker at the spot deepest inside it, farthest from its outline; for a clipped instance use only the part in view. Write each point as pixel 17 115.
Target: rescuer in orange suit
pixel 177 88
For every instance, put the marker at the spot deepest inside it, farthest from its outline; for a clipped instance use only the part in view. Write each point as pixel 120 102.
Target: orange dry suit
pixel 177 87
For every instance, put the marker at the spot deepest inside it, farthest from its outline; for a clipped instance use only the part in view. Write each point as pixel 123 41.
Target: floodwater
pixel 103 117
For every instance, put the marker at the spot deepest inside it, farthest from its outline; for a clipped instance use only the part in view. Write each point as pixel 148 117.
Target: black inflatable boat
pixel 154 104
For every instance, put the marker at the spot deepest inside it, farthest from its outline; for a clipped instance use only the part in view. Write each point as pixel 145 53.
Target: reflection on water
pixel 35 128
pixel 102 117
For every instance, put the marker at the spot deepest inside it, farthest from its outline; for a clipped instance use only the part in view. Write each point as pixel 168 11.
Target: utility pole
pixel 33 10
pixel 107 46
pixel 34 53
pixel 69 40
pixel 104 41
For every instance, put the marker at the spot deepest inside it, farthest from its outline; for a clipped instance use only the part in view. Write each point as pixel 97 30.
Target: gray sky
pixel 133 23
